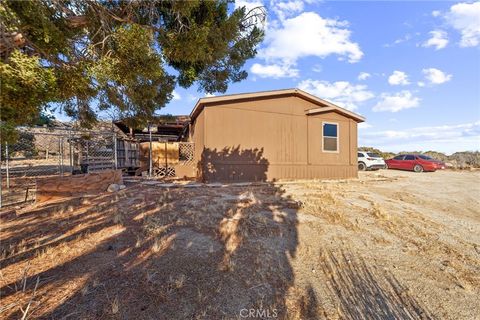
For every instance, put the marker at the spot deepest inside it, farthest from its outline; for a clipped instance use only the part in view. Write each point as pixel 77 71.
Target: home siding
pixel 268 139
pixel 197 136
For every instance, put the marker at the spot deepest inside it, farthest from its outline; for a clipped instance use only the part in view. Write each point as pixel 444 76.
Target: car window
pixel 360 155
pixel 424 157
pixel 373 155
pixel 409 157
pixel 400 157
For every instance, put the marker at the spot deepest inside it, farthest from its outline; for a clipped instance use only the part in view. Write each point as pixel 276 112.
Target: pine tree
pixel 120 57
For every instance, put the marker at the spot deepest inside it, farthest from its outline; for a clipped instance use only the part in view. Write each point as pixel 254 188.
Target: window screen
pixel 330 137
pixel 409 157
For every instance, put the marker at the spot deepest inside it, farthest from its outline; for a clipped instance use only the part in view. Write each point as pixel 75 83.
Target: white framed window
pixel 330 137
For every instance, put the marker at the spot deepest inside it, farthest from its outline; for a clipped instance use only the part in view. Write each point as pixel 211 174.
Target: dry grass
pixel 325 205
pixel 307 250
pixel 379 212
pixel 161 244
pixel 115 306
pixel 23 289
pixel 118 216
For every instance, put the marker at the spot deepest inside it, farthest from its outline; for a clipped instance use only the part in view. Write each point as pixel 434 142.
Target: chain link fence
pixel 41 152
pixel 45 152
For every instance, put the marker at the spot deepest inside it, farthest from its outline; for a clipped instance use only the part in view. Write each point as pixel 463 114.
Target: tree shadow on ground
pixel 362 292
pixel 155 253
pixel 233 164
pixel 182 253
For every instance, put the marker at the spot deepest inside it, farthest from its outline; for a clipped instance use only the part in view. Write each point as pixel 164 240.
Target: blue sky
pixel 411 68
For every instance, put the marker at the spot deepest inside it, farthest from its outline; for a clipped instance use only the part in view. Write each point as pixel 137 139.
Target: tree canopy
pixel 123 57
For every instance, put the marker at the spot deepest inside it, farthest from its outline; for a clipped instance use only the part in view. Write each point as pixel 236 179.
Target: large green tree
pixel 123 57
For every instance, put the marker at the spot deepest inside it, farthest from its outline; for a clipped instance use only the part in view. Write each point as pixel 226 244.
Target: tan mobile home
pixel 283 134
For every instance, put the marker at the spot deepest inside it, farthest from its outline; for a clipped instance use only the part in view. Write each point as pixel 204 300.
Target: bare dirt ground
pixel 389 245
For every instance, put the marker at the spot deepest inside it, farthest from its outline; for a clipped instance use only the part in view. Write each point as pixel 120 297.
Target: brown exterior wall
pixel 197 136
pixel 185 170
pixel 267 139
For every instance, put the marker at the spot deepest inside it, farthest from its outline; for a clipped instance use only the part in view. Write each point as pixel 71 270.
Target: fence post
pixel 70 149
pixel 1 177
pixel 115 151
pixel 87 154
pixel 150 164
pixel 61 156
pixel 166 157
pixel 7 166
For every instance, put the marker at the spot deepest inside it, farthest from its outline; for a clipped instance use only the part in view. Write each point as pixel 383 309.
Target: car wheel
pixel 418 168
pixel 362 166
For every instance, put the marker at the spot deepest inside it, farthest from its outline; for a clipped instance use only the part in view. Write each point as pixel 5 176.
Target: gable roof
pixel 323 105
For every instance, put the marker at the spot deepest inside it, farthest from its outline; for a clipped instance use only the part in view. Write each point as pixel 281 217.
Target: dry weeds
pixel 308 250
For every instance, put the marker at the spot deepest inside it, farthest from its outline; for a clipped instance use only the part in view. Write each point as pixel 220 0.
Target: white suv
pixel 370 161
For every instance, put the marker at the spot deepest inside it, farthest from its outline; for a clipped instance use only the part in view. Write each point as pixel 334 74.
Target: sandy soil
pixel 389 245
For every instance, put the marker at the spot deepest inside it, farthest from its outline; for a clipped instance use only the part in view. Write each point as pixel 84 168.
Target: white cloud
pixel 342 93
pixel 398 78
pixel 396 102
pixel 209 95
pixel 291 38
pixel 252 9
pixel 364 76
pixel 176 96
pixel 308 34
pixel 405 38
pixel 317 68
pixel 192 97
pixel 435 13
pixel 364 125
pixel 248 4
pixel 446 138
pixel 421 84
pixel 465 18
pixel 439 40
pixel 435 76
pixel 274 70
pixel 285 9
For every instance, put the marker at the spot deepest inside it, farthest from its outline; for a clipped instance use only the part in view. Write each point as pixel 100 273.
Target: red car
pixel 415 162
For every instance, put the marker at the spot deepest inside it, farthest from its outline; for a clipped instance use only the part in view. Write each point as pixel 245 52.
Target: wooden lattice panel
pixel 186 151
